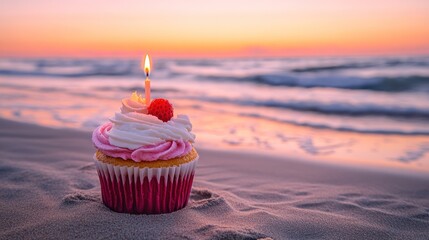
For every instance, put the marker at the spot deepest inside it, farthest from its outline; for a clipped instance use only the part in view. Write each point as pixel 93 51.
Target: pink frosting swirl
pixel 162 151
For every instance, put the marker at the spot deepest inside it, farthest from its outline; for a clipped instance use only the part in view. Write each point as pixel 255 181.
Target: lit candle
pixel 147 81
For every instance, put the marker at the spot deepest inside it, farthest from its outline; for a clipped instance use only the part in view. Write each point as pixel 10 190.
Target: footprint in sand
pixel 200 194
pixel 88 167
pixel 205 199
pixel 79 197
pixel 374 200
pixel 82 184
pixel 385 203
pixel 221 232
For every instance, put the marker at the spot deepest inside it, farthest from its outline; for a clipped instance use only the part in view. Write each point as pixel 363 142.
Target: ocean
pixel 369 111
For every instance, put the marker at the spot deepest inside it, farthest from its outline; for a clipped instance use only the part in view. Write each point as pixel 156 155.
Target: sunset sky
pixel 222 28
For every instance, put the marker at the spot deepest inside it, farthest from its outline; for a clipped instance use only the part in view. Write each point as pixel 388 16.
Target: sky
pixel 221 28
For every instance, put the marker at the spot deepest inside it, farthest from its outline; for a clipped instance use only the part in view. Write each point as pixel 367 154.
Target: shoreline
pixel 317 160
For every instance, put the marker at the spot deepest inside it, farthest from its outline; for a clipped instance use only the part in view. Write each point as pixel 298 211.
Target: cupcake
pixel 145 158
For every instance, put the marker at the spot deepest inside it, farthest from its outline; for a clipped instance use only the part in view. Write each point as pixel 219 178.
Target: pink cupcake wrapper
pixel 145 190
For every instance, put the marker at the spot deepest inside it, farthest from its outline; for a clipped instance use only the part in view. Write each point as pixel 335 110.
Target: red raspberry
pixel 161 108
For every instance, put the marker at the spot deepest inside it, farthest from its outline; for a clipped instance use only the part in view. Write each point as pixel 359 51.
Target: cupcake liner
pixel 145 190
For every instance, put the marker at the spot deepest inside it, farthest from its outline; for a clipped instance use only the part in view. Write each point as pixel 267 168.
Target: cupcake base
pixel 138 190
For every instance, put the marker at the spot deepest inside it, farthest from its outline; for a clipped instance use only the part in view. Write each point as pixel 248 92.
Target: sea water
pixel 371 111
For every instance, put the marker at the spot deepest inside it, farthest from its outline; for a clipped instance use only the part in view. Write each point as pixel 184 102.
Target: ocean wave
pixel 332 107
pixel 378 74
pixel 347 128
pixel 390 75
pixel 69 73
pixel 388 84
pixel 331 67
pixel 372 63
pixel 68 68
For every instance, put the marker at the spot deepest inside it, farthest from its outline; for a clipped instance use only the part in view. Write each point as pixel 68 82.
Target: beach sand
pixel 50 190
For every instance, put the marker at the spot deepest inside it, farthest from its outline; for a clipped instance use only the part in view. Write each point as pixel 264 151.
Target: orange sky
pixel 221 28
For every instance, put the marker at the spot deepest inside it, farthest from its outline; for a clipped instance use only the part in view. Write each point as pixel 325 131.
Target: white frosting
pixel 135 103
pixel 133 129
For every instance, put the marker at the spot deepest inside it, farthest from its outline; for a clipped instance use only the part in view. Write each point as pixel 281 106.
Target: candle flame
pixel 146 66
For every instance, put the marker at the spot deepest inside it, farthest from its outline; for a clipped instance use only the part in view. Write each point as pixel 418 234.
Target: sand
pixel 50 190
